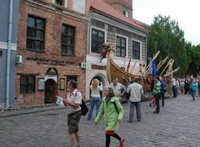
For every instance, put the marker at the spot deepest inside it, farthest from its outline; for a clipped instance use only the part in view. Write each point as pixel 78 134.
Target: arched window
pixel 125 12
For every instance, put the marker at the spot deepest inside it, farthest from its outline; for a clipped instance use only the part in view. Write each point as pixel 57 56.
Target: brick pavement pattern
pixel 177 125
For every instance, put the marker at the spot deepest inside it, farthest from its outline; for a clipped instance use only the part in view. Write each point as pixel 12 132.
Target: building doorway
pixel 50 97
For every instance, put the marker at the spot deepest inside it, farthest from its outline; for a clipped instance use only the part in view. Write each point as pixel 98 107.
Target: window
pixel 35 34
pixel 136 50
pixel 125 12
pixel 27 84
pixel 71 77
pixel 67 41
pixel 98 38
pixel 121 47
pixel 59 2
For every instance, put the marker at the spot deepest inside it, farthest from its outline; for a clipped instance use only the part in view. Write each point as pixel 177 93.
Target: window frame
pixel 28 84
pixel 71 77
pixel 132 51
pixel 105 37
pixel 67 44
pixel 35 29
pixel 125 12
pixel 57 2
pixel 126 47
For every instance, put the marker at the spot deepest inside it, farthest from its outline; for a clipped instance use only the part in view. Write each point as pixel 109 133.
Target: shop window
pixel 71 77
pixel 27 84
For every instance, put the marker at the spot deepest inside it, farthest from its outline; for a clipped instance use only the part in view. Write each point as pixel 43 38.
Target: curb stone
pixel 11 112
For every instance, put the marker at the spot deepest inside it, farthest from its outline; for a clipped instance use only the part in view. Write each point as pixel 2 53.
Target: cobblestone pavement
pixel 177 125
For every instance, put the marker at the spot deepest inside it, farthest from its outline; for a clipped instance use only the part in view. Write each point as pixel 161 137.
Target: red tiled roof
pixel 107 9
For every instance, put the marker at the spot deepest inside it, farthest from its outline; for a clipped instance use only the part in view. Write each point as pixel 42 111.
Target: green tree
pixel 166 36
pixel 193 53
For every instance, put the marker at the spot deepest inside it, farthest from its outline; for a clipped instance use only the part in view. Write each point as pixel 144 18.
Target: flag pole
pixel 165 67
pixel 133 66
pixel 128 66
pixel 124 63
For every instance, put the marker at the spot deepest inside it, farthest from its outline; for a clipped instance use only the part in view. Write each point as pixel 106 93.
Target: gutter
pixel 8 55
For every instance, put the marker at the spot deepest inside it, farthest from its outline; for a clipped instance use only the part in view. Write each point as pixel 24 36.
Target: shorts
pixel 72 122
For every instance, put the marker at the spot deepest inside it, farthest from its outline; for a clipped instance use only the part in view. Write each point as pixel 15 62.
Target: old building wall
pixel 37 63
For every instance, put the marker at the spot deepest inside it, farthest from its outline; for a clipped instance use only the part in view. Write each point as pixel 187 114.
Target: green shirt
pixel 157 87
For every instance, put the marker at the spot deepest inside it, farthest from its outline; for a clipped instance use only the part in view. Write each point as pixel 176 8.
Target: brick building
pixel 52 39
pixel 111 20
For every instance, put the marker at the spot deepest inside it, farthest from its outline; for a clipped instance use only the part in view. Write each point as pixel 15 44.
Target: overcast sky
pixel 185 12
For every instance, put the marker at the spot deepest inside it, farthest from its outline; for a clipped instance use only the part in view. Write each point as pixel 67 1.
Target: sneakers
pixel 122 142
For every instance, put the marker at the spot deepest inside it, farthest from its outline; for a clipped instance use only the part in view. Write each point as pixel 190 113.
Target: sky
pixel 185 12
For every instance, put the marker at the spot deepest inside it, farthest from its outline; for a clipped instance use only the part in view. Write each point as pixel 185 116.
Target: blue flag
pixel 153 67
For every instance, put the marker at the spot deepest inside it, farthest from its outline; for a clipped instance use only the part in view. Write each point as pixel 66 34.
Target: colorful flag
pixel 103 54
pixel 128 66
pixel 153 67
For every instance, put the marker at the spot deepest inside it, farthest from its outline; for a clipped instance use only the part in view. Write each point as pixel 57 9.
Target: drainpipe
pixel 146 50
pixel 8 54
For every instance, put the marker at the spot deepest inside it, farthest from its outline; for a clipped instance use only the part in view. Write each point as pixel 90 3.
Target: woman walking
pixel 113 112
pixel 95 97
pixel 194 88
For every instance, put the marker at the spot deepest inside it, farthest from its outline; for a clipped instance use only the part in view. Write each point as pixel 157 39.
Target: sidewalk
pixel 31 109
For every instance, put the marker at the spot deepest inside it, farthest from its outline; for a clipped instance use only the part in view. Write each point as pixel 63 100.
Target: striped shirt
pixel 157 88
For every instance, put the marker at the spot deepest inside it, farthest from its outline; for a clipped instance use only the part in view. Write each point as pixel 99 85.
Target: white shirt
pixel 95 92
pixel 136 92
pixel 173 82
pixel 74 97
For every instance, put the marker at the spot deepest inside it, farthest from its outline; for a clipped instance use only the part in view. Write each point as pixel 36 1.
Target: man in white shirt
pixel 174 87
pixel 118 88
pixel 136 91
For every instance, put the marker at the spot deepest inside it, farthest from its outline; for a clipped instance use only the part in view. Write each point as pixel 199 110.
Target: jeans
pixel 94 101
pixel 193 94
pixel 174 89
pixel 157 96
pixel 163 98
pixel 138 111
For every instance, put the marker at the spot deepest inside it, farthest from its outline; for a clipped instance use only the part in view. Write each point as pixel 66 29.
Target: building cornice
pixel 64 10
pixel 116 22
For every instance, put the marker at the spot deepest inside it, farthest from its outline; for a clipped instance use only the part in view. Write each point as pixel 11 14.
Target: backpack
pixel 114 103
pixel 84 108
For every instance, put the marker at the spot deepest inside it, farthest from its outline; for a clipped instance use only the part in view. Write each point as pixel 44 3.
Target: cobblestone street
pixel 177 125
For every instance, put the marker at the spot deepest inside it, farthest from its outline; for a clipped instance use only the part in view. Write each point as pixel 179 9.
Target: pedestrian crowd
pixel 110 106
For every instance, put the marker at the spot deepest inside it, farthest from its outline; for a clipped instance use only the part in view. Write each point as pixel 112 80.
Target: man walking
pixel 163 85
pixel 136 91
pixel 156 93
pixel 174 87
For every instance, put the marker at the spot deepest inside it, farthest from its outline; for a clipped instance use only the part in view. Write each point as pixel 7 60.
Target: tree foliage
pixel 193 53
pixel 166 36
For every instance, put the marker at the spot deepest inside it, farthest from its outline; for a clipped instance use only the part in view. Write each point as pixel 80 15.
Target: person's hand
pixel 118 120
pixel 123 77
pixel 65 101
pixel 95 123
